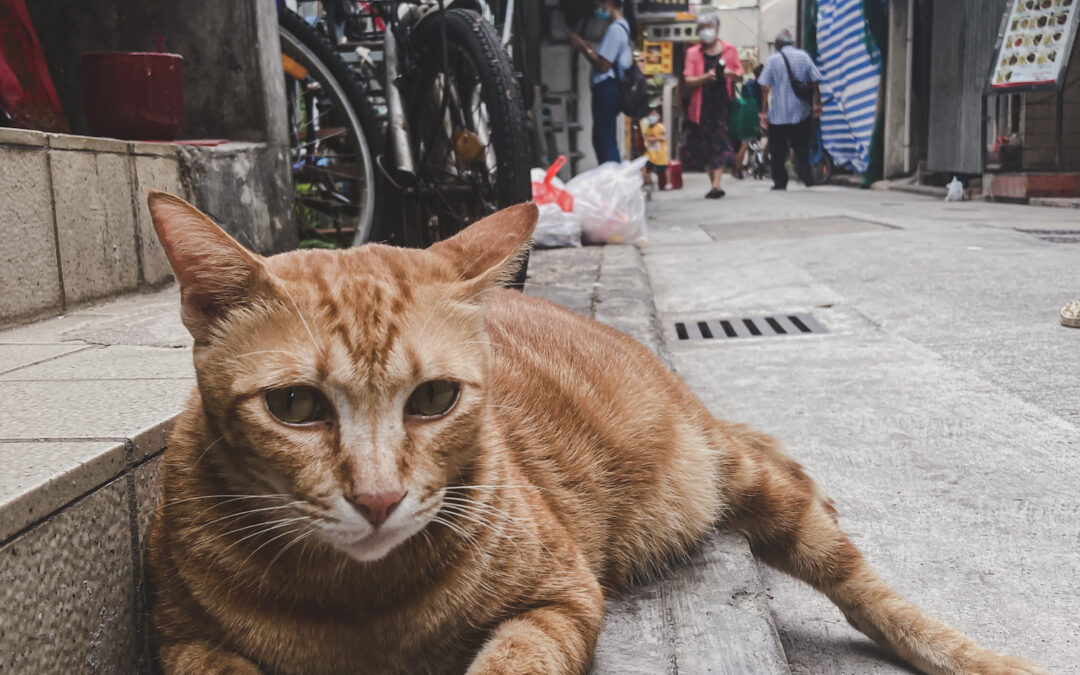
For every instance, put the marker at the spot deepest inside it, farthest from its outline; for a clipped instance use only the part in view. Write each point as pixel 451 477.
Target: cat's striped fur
pixel 572 463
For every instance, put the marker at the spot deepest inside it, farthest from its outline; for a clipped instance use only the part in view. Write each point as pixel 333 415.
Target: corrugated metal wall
pixel 962 46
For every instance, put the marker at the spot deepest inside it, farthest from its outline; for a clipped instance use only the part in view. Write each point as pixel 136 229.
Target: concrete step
pixel 75 223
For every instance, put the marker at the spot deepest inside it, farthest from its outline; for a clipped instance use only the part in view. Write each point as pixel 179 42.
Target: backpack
pixel 633 88
pixel 803 90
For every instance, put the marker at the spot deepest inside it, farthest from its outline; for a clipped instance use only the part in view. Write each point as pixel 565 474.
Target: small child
pixel 655 149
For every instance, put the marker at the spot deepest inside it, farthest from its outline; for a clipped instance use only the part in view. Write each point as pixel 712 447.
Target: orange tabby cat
pixel 392 465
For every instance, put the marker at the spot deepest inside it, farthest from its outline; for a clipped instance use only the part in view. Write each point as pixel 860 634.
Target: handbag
pixel 803 90
pixel 743 120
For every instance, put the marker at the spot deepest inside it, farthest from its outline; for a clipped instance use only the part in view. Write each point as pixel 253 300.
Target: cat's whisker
pixel 237 530
pixel 249 511
pixel 265 351
pixel 468 512
pixel 303 535
pixel 470 503
pixel 454 527
pixel 203 453
pixel 300 315
pixel 493 487
pixel 280 524
pixel 232 498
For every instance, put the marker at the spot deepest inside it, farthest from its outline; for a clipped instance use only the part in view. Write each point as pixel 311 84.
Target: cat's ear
pixel 214 271
pixel 491 250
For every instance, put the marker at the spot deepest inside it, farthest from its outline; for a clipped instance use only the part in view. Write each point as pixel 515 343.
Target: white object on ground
pixel 611 203
pixel 956 190
pixel 556 228
pixel 1070 314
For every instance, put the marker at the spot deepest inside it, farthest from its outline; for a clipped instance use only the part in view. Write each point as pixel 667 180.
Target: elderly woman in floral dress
pixel 712 68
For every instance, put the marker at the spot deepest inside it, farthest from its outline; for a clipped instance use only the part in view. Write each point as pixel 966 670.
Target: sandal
pixel 1070 314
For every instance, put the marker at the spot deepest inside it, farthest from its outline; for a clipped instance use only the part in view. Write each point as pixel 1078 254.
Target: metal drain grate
pixel 1055 236
pixel 778 325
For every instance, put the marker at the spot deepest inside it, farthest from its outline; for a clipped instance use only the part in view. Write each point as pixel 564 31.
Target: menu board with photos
pixel 1035 44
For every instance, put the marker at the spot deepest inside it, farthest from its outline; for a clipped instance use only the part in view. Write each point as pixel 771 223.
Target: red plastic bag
pixel 546 193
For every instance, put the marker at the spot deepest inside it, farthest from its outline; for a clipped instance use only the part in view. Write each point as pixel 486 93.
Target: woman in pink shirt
pixel 711 70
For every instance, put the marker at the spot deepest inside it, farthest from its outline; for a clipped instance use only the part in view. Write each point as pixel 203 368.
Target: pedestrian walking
pixel 751 89
pixel 655 149
pixel 712 68
pixel 609 60
pixel 791 101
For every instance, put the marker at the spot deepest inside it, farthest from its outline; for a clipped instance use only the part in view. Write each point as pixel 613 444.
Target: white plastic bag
pixel 956 190
pixel 556 228
pixel 610 203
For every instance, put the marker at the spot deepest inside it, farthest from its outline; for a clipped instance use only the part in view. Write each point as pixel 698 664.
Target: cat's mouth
pixel 367 543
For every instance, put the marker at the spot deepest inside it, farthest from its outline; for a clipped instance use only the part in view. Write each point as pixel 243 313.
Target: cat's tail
pixel 793 527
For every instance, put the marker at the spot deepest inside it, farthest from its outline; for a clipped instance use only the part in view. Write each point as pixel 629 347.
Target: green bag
pixel 743 122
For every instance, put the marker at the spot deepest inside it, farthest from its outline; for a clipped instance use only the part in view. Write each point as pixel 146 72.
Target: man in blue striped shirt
pixel 787 116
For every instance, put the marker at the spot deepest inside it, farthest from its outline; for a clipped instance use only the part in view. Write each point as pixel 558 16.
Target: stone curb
pixel 710 614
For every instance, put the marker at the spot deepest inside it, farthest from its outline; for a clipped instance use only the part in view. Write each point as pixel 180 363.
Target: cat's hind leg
pixel 792 527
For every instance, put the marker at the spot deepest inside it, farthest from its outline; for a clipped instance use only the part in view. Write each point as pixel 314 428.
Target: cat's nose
pixel 376 508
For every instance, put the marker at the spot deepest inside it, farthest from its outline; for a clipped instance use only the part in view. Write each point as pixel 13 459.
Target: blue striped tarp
pixel 850 62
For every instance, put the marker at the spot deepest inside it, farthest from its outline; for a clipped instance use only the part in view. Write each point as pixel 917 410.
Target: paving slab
pixel 76 616
pixel 567 276
pixel 28 261
pixel 692 278
pixel 791 227
pixel 86 410
pixel 36 479
pixel 154 173
pixel 111 363
pixel 958 492
pixel 95 223
pixel 13 356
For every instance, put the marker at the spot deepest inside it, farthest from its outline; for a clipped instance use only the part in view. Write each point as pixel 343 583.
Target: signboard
pixel 662 6
pixel 658 58
pixel 1035 44
pixel 675 31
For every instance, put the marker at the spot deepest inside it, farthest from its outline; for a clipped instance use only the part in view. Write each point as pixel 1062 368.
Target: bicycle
pixel 418 137
pixel 821 162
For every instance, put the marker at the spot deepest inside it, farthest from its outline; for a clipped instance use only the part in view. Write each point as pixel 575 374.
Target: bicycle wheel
pixel 466 119
pixel 333 138
pixel 821 169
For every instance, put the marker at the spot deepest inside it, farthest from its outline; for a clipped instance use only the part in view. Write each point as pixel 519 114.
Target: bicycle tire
pixel 821 171
pixel 500 93
pixel 292 24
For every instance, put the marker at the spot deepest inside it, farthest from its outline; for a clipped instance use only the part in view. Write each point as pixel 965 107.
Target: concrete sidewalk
pixel 940 411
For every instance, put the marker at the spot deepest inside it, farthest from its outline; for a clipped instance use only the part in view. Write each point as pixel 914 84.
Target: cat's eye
pixel 433 398
pixel 297 405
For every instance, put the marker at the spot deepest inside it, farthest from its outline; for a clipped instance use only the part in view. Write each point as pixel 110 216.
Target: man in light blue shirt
pixel 609 61
pixel 787 116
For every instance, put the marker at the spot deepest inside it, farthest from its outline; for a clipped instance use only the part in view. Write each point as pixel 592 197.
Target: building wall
pixel 1039 123
pixel 958 78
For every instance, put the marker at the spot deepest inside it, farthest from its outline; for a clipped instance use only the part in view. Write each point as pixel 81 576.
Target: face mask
pixel 602 14
pixel 653 119
pixel 707 35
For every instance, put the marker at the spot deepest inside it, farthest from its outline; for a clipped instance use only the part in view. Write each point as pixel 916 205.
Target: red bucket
pixel 136 96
